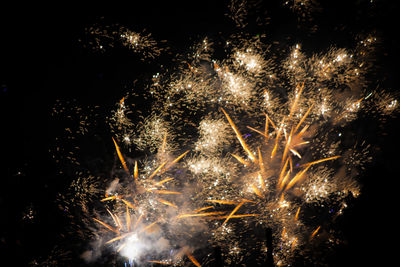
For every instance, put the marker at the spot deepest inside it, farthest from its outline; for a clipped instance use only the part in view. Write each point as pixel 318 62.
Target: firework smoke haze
pixel 235 133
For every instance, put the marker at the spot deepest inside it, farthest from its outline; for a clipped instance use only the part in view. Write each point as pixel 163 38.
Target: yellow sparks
pixel 239 136
pixel 121 158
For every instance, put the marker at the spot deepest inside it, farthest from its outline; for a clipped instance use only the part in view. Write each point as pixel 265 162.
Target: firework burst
pixel 254 139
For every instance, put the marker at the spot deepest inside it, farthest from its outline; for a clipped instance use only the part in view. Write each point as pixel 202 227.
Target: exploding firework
pixel 253 140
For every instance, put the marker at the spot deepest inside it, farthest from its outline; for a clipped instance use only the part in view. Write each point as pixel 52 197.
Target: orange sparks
pixel 278 135
pixel 296 99
pixel 239 137
pixel 228 202
pixel 165 192
pixel 121 247
pixel 157 170
pixel 119 238
pixel 285 151
pixel 261 181
pixel 110 198
pixel 256 191
pixel 296 217
pixel 107 226
pixel 284 180
pixel 128 204
pixel 121 158
pixel 116 219
pixel 176 160
pixel 257 131
pixel 160 262
pixel 204 208
pixel 303 118
pixel 297 178
pixel 272 123
pixel 163 201
pixel 200 214
pixel 192 259
pixel 281 175
pixel 241 160
pixel 233 212
pixel 262 169
pixel 136 171
pixel 315 232
pixel 128 219
pixel 164 143
pixel 138 221
pixel 148 227
pixel 319 161
pixel 294 244
pixel 164 181
pixel 266 127
pixel 236 216
pixel 295 153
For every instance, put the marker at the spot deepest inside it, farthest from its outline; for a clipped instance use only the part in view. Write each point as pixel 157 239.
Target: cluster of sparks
pixel 253 139
pixel 268 176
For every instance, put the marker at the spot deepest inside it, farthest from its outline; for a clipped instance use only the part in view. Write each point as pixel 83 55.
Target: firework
pixel 253 139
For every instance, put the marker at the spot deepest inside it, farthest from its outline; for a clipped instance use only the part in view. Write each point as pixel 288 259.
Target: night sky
pixel 43 58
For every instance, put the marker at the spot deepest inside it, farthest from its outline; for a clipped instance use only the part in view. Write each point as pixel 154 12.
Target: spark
pixel 121 158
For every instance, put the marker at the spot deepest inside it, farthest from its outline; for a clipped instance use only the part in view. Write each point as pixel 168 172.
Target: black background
pixel 42 60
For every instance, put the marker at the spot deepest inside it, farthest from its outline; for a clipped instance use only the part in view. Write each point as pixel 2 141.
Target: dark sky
pixel 41 61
